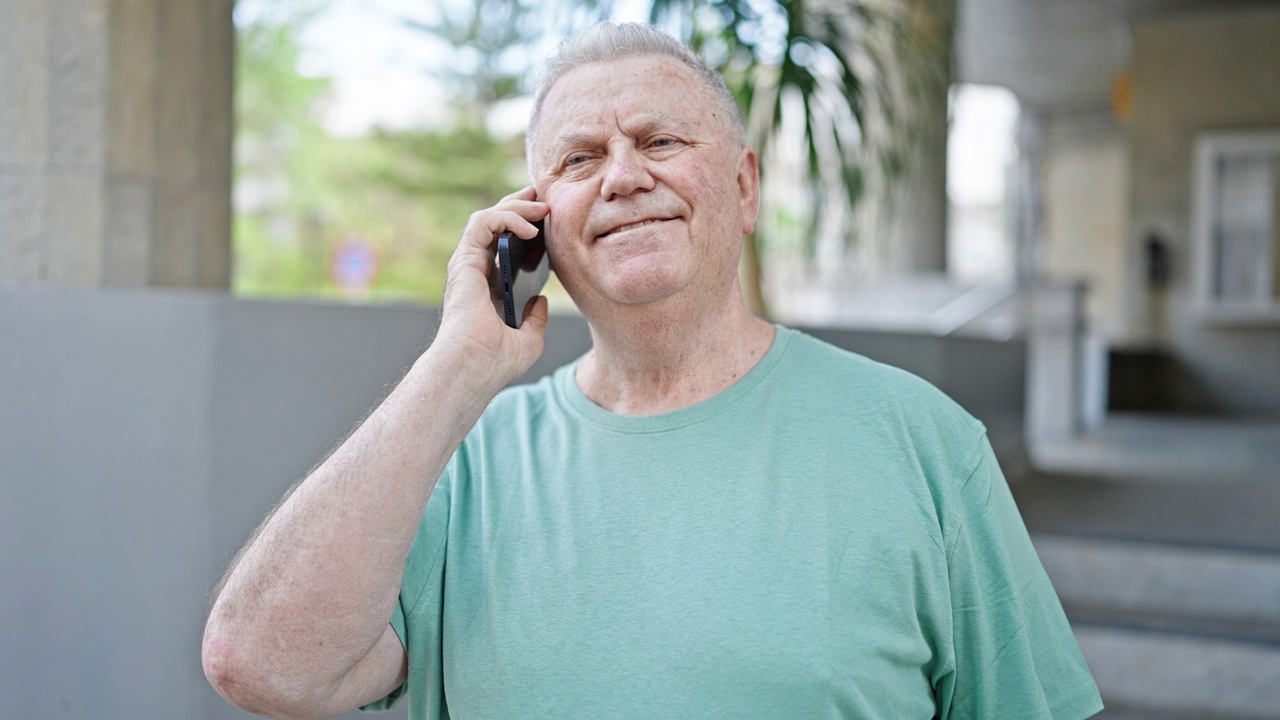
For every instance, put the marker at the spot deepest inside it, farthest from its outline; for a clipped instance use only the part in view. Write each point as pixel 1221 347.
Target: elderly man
pixel 705 516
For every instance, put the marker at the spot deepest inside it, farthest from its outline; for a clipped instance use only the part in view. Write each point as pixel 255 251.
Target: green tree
pixel 488 42
pixel 300 191
pixel 275 129
pixel 463 167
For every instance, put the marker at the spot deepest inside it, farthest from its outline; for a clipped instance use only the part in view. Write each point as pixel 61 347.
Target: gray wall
pixel 144 434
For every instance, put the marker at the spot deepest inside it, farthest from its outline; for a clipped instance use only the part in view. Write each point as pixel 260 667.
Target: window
pixel 1236 226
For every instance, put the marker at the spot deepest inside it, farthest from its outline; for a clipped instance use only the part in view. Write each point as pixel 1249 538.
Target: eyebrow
pixel 572 140
pixel 654 120
pixel 643 124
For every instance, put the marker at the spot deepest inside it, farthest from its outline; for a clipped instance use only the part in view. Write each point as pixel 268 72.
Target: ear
pixel 748 189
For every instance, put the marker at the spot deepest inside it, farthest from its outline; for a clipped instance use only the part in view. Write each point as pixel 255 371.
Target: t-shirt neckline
pixel 698 412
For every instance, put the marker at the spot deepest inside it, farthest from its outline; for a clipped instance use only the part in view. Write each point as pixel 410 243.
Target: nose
pixel 626 172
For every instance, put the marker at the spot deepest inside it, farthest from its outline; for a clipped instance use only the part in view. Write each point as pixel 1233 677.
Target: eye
pixel 662 142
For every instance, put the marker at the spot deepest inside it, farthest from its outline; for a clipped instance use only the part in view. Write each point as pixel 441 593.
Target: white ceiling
pixel 1056 53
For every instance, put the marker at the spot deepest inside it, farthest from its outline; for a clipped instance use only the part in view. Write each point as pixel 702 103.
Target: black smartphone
pixel 520 270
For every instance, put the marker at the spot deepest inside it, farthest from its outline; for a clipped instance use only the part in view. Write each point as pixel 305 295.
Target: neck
pixel 651 362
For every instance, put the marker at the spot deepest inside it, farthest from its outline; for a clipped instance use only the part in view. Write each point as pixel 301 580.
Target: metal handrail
pixel 969 306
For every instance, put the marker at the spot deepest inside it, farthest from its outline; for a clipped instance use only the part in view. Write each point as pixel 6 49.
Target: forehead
pixel 637 89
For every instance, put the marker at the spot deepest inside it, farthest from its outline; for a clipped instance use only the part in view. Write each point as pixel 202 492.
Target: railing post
pixel 1055 361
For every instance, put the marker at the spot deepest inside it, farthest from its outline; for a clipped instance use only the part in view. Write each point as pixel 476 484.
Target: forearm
pixel 296 628
pixel 314 591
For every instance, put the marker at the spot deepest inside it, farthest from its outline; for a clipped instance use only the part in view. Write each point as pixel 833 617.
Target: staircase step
pixel 1160 536
pixel 1211 512
pixel 1210 592
pixel 1172 624
pixel 1165 448
pixel 1121 711
pixel 1150 674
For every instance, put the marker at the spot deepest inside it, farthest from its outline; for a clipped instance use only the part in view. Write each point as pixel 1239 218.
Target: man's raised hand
pixel 469 322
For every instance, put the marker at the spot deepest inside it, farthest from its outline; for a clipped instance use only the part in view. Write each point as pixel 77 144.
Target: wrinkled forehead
pixel 638 90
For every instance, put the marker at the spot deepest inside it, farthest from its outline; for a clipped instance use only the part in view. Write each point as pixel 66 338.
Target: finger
pixel 536 317
pixel 525 193
pixel 517 216
pixel 486 225
pixel 530 210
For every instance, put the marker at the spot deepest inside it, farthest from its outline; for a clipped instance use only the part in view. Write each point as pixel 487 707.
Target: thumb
pixel 536 321
pixel 531 334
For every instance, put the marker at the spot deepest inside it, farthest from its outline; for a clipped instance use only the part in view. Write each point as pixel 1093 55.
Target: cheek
pixel 562 261
pixel 560 226
pixel 568 210
pixel 720 185
pixel 565 252
pixel 722 208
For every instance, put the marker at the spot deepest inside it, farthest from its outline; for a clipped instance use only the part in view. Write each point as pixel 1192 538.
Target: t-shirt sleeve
pixel 397 624
pixel 1015 655
pixel 416 616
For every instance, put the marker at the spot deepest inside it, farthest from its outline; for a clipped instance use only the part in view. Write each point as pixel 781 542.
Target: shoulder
pixel 829 375
pixel 893 419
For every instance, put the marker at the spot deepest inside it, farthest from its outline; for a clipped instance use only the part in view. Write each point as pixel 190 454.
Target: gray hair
pixel 607 41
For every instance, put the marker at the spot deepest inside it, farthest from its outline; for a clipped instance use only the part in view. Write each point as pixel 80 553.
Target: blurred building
pixel 1152 127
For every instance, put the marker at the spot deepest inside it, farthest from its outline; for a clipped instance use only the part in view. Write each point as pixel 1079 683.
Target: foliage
pixel 769 49
pixel 301 191
pixel 487 41
pixel 275 182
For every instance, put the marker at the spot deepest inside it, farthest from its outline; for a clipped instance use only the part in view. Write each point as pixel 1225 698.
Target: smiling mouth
pixel 632 226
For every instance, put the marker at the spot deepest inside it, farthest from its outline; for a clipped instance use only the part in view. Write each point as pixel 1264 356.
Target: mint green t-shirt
pixel 828 538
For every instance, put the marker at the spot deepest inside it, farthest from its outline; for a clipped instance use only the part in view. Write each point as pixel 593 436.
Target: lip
pixel 632 225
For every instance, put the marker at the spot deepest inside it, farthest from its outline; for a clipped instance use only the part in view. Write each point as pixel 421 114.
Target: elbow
pixel 230 674
pixel 247 681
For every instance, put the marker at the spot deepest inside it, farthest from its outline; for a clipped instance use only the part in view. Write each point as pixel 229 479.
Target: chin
pixel 644 279
pixel 641 294
pixel 642 288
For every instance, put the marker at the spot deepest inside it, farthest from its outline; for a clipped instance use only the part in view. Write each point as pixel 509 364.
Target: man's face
pixel 650 192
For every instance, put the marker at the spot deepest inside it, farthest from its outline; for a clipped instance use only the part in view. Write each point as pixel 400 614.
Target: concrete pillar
pixel 115 142
pixel 918 233
pixel 905 60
